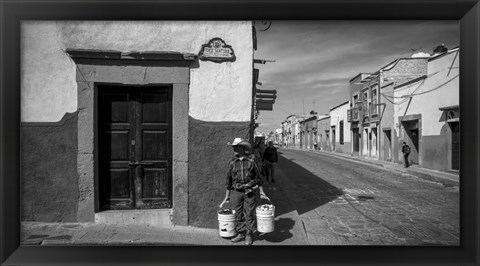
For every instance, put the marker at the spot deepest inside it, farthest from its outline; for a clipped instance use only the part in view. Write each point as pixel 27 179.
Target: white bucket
pixel 226 224
pixel 265 221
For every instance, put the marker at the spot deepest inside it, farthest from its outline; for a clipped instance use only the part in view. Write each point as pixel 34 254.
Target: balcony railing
pixel 352 114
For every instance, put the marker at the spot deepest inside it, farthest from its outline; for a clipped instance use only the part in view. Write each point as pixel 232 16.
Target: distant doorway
pixel 387 145
pixel 333 138
pixel 355 140
pixel 455 126
pixel 412 139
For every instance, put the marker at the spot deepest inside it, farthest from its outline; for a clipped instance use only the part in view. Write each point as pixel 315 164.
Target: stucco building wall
pixel 50 91
pixel 439 89
pixel 337 115
pixel 48 74
pixel 388 132
pixel 323 127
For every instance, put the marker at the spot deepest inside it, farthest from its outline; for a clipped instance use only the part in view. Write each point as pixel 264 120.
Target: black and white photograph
pixel 240 133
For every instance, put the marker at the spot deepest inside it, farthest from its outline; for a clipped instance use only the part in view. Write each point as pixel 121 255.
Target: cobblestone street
pixel 341 202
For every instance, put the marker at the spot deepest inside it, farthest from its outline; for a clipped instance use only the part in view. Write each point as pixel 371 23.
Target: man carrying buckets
pixel 243 184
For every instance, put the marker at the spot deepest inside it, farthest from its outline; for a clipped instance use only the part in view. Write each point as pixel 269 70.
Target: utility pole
pixel 313 105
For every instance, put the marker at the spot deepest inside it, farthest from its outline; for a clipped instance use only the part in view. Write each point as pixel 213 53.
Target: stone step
pixel 160 217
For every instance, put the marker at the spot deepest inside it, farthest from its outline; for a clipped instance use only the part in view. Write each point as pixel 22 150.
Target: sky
pixel 314 60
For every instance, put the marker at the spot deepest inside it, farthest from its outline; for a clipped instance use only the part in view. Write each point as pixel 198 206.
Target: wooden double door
pixel 134 147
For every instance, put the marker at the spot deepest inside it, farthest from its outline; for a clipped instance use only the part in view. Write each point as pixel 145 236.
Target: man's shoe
pixel 273 181
pixel 248 240
pixel 238 238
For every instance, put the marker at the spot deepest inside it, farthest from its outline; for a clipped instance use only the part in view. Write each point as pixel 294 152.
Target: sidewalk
pixel 447 179
pixel 288 231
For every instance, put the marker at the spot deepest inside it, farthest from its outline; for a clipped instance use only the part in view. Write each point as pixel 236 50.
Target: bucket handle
pixel 267 198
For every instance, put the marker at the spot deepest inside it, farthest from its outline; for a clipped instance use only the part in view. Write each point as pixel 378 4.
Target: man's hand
pixel 226 200
pixel 263 196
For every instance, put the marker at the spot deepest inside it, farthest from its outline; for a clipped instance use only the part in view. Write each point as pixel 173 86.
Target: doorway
pixel 134 147
pixel 333 138
pixel 356 140
pixel 387 145
pixel 455 127
pixel 412 139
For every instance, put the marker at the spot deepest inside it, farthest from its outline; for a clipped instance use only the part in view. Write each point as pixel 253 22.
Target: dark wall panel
pixel 49 179
pixel 208 159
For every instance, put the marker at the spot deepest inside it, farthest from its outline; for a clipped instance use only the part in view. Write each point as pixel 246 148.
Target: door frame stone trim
pixel 131 68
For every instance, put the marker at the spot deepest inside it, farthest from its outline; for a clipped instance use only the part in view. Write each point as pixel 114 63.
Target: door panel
pixel 119 183
pixel 135 141
pixel 155 149
pixel 154 145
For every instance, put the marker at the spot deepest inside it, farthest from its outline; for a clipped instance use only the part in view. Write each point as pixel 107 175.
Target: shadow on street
pixel 281 233
pixel 305 190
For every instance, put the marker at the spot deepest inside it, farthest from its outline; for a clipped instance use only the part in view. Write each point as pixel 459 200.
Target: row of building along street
pixel 412 99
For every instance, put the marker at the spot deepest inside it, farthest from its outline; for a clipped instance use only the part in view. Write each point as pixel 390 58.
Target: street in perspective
pixel 320 199
pixel 240 133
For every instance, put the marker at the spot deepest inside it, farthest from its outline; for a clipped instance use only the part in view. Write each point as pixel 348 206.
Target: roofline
pixel 359 75
pixel 395 62
pixel 339 105
pixel 443 54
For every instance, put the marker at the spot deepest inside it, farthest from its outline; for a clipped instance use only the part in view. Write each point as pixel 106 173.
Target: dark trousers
pixel 405 159
pixel 270 170
pixel 245 210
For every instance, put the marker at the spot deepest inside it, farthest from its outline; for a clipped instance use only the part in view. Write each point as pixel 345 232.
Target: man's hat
pixel 240 141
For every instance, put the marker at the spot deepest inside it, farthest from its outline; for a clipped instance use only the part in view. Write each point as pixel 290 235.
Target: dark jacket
pixel 243 171
pixel 270 155
pixel 406 149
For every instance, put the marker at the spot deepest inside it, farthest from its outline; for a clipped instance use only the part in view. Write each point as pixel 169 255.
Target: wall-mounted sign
pixel 217 50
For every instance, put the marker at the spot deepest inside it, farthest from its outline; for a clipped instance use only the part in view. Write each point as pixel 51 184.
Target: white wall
pixel 218 92
pixel 336 115
pixel 440 89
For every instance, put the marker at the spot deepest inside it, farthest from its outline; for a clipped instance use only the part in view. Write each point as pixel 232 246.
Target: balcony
pixel 352 115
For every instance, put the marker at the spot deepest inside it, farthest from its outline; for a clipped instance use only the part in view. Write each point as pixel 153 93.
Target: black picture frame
pixel 12 12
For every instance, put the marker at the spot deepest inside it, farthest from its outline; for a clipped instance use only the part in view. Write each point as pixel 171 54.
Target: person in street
pixel 406 152
pixel 243 184
pixel 270 159
pixel 258 156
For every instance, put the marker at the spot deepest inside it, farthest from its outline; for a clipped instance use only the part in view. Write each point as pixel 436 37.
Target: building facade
pixel 309 132
pixel 427 114
pixel 340 128
pixel 323 133
pixel 125 121
pixel 371 96
pixel 291 131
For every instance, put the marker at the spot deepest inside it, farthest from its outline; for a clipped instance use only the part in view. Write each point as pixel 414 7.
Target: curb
pixel 433 178
pixel 425 176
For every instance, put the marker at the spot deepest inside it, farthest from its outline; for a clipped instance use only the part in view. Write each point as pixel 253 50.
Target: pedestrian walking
pixel 258 156
pixel 270 159
pixel 243 185
pixel 406 152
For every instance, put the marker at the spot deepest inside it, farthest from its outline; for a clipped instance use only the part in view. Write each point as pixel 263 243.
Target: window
pixel 341 132
pixel 365 102
pixel 374 106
